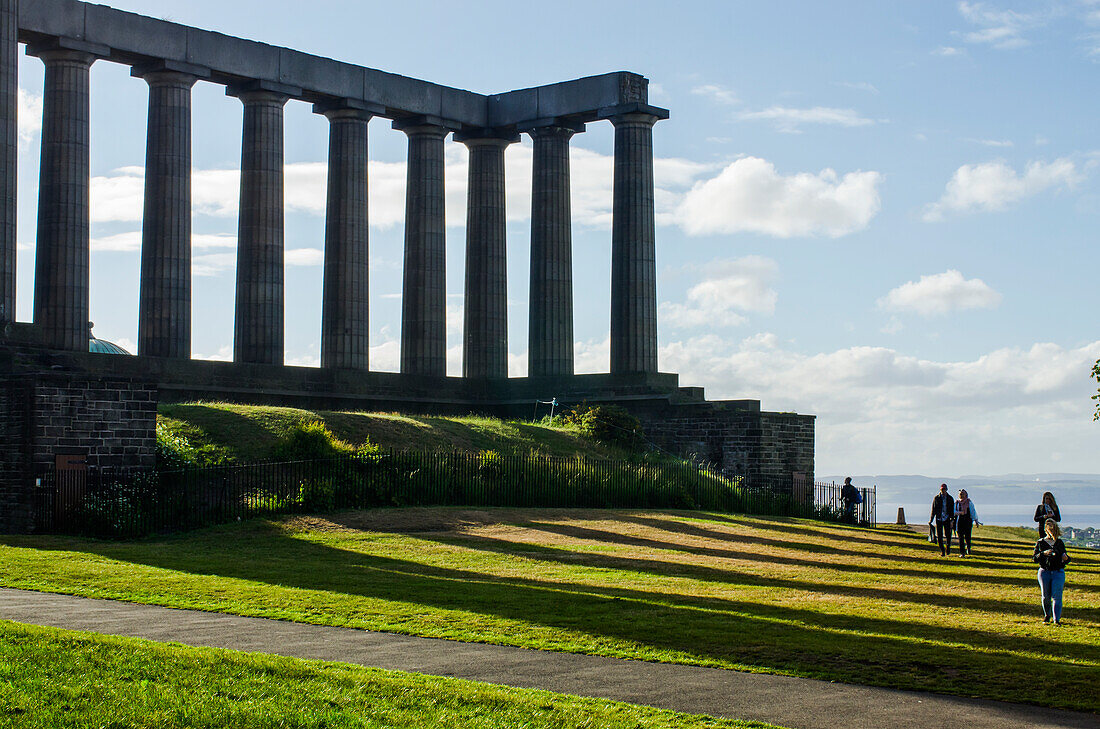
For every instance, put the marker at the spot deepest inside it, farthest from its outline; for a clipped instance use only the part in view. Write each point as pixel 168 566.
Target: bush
pixel 608 424
pixel 310 441
pixel 173 451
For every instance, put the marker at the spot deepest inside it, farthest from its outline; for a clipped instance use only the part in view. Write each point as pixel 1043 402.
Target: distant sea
pixel 1004 500
pixel 1086 515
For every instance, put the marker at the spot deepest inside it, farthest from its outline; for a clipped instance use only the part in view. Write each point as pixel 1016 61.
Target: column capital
pixel 65 48
pixel 423 125
pixel 68 49
pixel 170 73
pixel 263 92
pixel 552 126
pixel 487 137
pixel 633 114
pixel 348 109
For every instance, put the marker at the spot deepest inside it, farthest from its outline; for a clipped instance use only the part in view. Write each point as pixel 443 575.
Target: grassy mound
pixel 226 433
pixel 55 678
pixel 877 607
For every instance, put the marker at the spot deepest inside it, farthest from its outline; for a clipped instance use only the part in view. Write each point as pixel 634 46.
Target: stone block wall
pixel 737 438
pixel 112 421
pixel 109 421
pixel 16 474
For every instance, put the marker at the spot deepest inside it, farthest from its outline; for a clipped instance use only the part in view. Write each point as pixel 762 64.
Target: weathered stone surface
pixel 133 38
pixel 9 154
pixel 61 274
pixel 258 332
pixel 164 313
pixel 485 314
pixel 633 248
pixel 424 295
pixel 550 317
pixel 345 323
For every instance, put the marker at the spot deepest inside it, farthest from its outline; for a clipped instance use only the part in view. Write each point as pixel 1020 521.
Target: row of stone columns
pixel 61 269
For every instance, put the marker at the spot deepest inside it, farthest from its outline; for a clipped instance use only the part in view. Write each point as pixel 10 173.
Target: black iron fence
pixel 124 504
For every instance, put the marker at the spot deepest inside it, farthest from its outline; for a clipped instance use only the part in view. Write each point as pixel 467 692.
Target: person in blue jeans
pixel 1051 555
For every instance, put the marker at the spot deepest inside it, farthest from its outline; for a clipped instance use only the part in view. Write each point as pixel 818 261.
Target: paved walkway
pixel 792 702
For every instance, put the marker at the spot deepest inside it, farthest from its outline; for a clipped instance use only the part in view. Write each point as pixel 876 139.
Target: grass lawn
pixel 876 607
pixel 58 678
pixel 246 433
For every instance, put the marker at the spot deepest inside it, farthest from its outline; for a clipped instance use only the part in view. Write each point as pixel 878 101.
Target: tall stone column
pixel 164 310
pixel 9 152
pixel 258 334
pixel 633 247
pixel 424 295
pixel 485 312
pixel 345 325
pixel 550 318
pixel 61 279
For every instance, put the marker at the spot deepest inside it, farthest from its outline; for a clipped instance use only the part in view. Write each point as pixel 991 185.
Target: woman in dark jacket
pixel 1050 553
pixel 1046 510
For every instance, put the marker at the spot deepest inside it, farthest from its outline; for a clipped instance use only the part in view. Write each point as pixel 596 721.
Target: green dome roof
pixel 102 346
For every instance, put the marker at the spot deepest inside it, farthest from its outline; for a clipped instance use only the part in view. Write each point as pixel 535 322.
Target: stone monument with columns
pixel 45 367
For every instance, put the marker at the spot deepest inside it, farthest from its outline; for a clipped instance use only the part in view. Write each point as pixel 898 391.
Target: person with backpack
pixel 850 497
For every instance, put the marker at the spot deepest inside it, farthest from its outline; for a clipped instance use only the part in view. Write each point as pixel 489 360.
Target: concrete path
pixel 792 702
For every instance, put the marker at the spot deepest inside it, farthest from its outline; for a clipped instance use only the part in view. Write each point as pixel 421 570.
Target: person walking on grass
pixel 966 516
pixel 943 514
pixel 1051 555
pixel 1048 509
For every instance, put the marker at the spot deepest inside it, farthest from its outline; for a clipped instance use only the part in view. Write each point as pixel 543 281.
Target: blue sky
pixel 881 213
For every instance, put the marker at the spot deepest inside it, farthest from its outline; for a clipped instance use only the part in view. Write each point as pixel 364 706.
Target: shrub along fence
pixel 127 504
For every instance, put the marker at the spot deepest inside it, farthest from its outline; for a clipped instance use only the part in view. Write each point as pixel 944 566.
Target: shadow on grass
pixel 868 650
pixel 705 573
pixel 767 556
pixel 1014 561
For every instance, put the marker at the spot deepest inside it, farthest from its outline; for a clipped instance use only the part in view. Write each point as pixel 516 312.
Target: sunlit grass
pixel 786 596
pixel 53 678
pixel 249 432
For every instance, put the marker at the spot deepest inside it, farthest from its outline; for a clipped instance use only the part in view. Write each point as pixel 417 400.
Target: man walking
pixel 943 513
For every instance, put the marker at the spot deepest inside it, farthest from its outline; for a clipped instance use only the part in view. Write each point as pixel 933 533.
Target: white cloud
pixel 992 186
pixel 788 119
pixel 304 257
pixel 29 117
pixel 947 51
pixel 212 264
pixel 121 242
pixel 716 93
pixel 991 142
pixel 941 293
pixel 882 411
pixel 119 197
pixel 729 287
pixel 751 196
pixel 1001 29
pixel 859 86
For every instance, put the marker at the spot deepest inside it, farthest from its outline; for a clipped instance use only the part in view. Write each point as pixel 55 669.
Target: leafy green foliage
pixel 1096 397
pixel 608 424
pixel 175 450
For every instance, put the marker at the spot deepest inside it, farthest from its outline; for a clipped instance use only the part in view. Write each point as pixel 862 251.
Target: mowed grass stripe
pixel 52 678
pixel 775 595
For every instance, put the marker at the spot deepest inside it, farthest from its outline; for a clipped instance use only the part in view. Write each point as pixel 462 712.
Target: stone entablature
pixel 137 40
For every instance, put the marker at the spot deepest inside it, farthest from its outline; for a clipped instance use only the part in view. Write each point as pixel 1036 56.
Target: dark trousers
pixel 943 531
pixel 963 527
